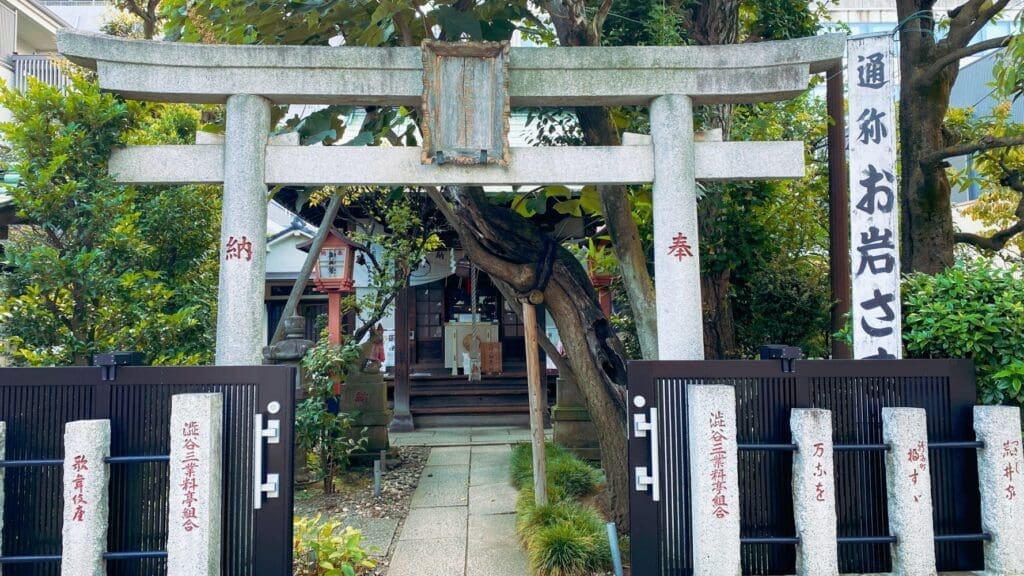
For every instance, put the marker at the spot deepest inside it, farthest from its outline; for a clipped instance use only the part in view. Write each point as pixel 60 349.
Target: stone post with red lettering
pixel 86 505
pixel 714 483
pixel 909 491
pixel 814 492
pixel 194 521
pixel 1000 465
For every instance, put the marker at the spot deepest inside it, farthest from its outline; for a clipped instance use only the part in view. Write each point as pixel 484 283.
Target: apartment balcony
pixel 39 66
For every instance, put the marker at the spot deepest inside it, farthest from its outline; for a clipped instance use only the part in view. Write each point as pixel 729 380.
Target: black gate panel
pixel 37 402
pixel 855 391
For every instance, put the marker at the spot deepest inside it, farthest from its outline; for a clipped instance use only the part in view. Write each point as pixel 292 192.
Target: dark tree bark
pixel 715 22
pixel 928 71
pixel 514 251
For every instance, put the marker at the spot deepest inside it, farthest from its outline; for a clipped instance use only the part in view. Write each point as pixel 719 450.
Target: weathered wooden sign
pixel 874 206
pixel 465 103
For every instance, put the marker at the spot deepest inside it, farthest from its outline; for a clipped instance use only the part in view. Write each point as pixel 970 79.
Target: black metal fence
pixel 36 403
pixel 855 392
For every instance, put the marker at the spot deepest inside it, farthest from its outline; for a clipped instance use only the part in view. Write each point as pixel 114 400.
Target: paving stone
pixel 449 456
pixel 494 449
pixel 488 474
pixel 377 532
pixel 506 559
pixel 492 528
pixel 442 486
pixel 497 498
pixel 429 523
pixel 436 557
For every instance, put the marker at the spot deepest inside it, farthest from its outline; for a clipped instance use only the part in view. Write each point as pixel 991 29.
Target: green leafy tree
pixel 99 266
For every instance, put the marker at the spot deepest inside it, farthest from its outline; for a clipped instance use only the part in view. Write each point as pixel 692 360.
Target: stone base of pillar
pixel 570 422
pixel 401 422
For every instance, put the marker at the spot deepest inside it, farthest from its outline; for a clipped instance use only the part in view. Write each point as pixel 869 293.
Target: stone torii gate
pixel 249 79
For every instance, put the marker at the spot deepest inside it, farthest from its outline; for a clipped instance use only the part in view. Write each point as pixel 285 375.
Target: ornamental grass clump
pixel 567 474
pixel 566 537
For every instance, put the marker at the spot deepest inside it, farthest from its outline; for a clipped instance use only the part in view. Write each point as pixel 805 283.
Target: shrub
pixel 972 310
pixel 326 436
pixel 320 550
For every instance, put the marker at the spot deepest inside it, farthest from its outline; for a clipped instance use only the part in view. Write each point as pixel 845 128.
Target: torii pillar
pixel 676 241
pixel 243 232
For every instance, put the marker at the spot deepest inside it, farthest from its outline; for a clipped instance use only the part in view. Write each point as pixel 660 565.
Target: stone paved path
pixel 462 520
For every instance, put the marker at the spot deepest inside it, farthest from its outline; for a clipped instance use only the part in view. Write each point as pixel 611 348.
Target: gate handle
pixel 273 435
pixel 641 427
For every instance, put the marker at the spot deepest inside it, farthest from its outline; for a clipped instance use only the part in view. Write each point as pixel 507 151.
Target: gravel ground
pixel 354 501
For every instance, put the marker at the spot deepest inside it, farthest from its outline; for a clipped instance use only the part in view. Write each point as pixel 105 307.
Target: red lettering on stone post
pixel 717 455
pixel 189 465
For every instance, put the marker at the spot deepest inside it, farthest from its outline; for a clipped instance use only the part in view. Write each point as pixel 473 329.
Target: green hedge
pixel 972 310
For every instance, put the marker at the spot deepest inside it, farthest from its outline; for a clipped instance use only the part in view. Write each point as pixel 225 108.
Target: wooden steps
pixel 436 396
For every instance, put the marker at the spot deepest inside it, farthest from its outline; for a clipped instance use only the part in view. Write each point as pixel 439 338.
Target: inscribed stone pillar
pixel 909 491
pixel 676 242
pixel 814 493
pixel 1000 465
pixel 86 475
pixel 714 484
pixel 194 521
pixel 240 327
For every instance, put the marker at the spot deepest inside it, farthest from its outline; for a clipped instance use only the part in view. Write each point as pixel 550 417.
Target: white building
pixel 28 35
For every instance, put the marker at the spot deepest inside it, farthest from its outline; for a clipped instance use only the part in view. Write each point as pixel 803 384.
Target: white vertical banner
pixel 874 207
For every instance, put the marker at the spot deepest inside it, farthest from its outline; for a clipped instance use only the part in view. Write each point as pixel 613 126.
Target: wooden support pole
pixel 839 211
pixel 537 404
pixel 307 267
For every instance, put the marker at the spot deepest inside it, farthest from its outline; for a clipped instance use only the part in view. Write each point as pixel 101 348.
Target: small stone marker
pixel 814 493
pixel 194 522
pixel 714 484
pixel 909 490
pixel 1000 465
pixel 86 506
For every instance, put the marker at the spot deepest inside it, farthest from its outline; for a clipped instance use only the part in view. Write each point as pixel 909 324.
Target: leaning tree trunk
pixel 513 250
pixel 599 130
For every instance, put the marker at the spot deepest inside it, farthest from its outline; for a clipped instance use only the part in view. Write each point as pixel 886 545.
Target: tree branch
pixel 597 24
pixel 986 143
pixel 969 18
pixel 999 239
pixel 953 56
pixel 995 242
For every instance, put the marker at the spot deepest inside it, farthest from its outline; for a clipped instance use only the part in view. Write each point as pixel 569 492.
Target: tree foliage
pixel 999 173
pixel 100 266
